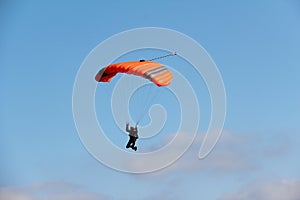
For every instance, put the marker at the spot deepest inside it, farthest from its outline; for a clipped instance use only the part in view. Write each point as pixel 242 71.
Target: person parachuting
pixel 153 71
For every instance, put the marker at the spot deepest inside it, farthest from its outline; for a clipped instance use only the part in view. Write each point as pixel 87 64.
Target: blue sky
pixel 256 47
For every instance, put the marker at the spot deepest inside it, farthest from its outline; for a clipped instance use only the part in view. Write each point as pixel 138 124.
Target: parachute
pixel 154 71
pixel 148 69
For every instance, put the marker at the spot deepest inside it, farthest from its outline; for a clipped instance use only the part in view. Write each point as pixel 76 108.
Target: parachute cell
pixel 153 71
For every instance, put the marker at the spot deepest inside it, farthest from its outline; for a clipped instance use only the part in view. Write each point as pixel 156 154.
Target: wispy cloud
pixel 269 190
pixel 11 193
pixel 233 153
pixel 229 155
pixel 50 190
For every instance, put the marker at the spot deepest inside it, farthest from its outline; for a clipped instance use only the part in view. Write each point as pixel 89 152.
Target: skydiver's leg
pixel 127 146
pixel 133 144
pixel 129 143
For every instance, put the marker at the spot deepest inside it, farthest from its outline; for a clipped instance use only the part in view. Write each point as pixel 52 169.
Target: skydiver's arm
pixel 127 125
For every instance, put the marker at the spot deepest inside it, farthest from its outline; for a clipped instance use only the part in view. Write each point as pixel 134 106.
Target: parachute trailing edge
pixel 154 71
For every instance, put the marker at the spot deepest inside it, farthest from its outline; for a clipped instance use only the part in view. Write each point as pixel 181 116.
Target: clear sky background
pixel 255 45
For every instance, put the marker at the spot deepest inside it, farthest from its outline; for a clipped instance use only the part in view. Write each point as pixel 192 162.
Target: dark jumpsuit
pixel 133 136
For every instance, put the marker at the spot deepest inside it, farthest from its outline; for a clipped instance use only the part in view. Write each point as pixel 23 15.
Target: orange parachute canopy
pixel 153 71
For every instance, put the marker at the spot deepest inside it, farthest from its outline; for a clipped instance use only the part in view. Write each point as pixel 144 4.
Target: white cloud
pixel 233 153
pixel 229 155
pixel 271 190
pixel 49 190
pixel 8 193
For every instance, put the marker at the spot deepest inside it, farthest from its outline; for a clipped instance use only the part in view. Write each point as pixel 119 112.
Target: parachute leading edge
pixel 155 72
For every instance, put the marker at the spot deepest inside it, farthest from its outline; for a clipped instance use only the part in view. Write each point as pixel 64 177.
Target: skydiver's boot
pixel 134 148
